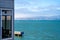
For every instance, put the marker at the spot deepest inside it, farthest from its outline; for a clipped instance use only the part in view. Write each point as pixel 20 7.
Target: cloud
pixel 24 15
pixel 35 5
pixel 34 8
pixel 58 8
pixel 17 15
pixel 37 10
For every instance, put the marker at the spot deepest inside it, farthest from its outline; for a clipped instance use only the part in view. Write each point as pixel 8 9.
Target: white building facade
pixel 6 19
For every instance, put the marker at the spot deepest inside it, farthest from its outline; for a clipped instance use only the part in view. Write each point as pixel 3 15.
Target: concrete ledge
pixel 17 33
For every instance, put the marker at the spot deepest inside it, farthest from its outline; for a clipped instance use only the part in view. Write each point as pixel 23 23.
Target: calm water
pixel 38 29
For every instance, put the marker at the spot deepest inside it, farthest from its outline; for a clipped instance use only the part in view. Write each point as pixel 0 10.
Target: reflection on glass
pixel 6 26
pixel 6 11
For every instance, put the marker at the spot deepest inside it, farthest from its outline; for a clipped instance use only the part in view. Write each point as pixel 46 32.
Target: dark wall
pixel 0 25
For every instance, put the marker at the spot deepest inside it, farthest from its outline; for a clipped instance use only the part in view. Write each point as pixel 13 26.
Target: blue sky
pixel 36 8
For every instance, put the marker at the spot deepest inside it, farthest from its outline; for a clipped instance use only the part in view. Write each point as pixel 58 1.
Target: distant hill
pixel 41 18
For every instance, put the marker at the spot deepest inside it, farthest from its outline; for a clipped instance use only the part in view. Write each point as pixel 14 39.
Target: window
pixel 6 11
pixel 6 25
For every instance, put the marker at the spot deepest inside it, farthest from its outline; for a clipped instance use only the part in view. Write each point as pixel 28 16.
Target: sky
pixel 36 8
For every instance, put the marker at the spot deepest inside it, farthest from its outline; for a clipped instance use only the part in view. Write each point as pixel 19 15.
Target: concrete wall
pixel 6 3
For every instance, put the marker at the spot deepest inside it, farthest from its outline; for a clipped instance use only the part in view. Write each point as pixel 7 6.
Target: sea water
pixel 38 29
